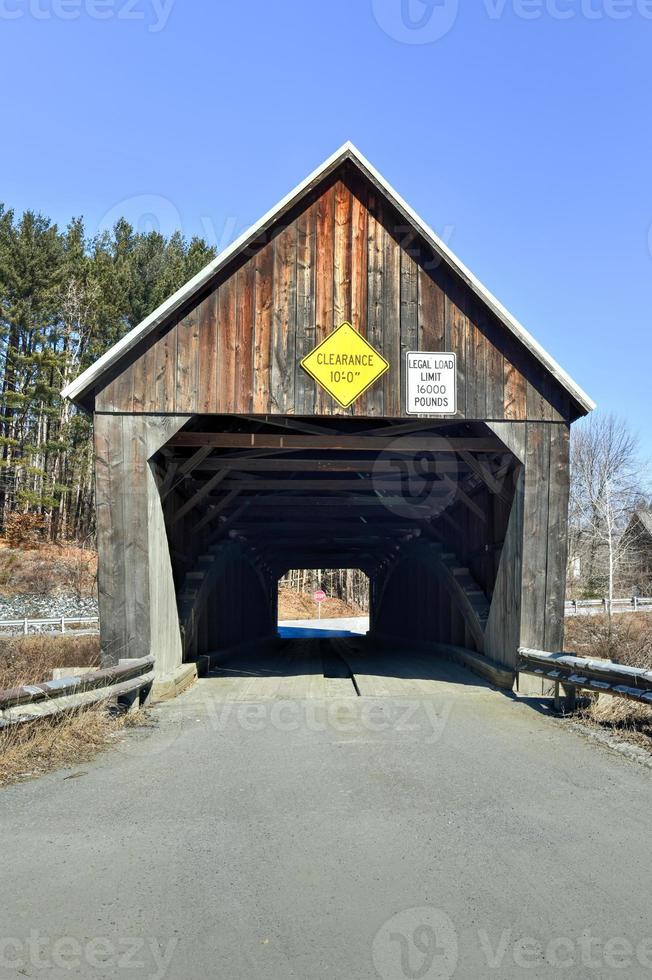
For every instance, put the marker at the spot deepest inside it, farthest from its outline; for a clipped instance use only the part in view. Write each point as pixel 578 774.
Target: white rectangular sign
pixel 431 383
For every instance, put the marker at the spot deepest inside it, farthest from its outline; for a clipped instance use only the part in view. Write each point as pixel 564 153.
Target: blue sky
pixel 519 129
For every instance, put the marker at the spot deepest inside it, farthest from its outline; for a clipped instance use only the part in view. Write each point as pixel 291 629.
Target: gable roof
pixel 91 377
pixel 645 517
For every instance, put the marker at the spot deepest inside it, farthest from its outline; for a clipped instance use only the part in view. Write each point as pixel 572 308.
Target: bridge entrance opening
pixel 422 510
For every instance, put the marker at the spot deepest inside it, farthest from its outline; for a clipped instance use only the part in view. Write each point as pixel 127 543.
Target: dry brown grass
pixel 626 640
pixel 72 739
pixel 48 743
pixel 29 659
pixel 47 568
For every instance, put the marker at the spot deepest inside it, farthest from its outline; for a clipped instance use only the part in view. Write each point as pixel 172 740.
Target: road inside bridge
pixel 421 825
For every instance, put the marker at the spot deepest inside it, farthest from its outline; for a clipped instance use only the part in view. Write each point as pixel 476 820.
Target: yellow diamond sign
pixel 345 364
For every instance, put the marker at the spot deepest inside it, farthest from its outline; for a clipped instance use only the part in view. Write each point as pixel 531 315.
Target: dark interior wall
pixel 238 610
pixel 411 602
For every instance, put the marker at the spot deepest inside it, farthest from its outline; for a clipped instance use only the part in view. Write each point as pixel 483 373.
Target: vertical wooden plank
pixel 477 388
pixel 457 331
pixel 123 389
pixel 244 365
pixel 536 405
pixel 325 271
pixel 409 316
pixel 359 274
pixel 106 400
pixel 122 533
pixel 342 254
pixel 342 258
pixel 149 368
pixel 139 384
pixel 107 432
pixel 391 347
pixel 226 329
pixel 359 220
pixel 187 366
pixel 133 476
pixel 503 632
pixel 431 314
pixel 284 320
pixel 495 382
pixel 166 364
pixel 305 395
pixel 373 398
pixel 208 355
pixel 558 494
pixel 515 393
pixel 470 372
pixel 535 535
pixel 264 288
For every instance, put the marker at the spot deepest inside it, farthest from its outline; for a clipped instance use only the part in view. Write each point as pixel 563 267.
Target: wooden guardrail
pixel 599 676
pixel 76 625
pixel 126 683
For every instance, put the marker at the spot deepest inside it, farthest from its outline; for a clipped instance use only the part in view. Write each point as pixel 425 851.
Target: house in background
pixel 639 535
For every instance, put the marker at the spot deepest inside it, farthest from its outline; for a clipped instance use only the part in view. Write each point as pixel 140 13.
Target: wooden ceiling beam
pixel 409 444
pixel 379 464
pixel 283 502
pixel 362 485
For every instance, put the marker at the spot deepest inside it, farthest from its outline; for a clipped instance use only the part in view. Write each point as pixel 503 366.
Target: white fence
pixel 598 607
pixel 77 625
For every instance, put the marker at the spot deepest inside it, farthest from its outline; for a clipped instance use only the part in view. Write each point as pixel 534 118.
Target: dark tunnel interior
pixel 422 508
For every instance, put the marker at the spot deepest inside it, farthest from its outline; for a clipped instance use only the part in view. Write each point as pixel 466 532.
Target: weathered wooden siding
pixel 345 256
pixel 136 590
pixel 516 552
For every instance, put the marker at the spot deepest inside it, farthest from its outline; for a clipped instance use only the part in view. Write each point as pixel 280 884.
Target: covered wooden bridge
pixel 335 390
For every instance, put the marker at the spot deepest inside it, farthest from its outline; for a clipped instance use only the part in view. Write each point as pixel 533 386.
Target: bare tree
pixel 608 481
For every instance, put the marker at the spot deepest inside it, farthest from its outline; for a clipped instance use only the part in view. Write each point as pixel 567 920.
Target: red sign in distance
pixel 319 595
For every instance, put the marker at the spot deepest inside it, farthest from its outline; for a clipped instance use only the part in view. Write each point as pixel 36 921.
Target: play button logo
pixel 416 21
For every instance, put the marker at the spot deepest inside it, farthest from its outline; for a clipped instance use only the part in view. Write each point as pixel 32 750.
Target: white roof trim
pixel 77 388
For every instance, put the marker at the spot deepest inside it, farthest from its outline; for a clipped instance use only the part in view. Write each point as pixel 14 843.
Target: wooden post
pixel 138 612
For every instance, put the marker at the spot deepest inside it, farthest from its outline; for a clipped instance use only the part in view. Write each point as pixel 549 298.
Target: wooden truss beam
pixel 362 485
pixel 382 464
pixel 409 444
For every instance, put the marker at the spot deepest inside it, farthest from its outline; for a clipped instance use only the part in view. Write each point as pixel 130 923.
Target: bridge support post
pixel 137 600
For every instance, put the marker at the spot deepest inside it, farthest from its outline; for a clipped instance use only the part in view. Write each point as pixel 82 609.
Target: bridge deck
pixel 317 662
